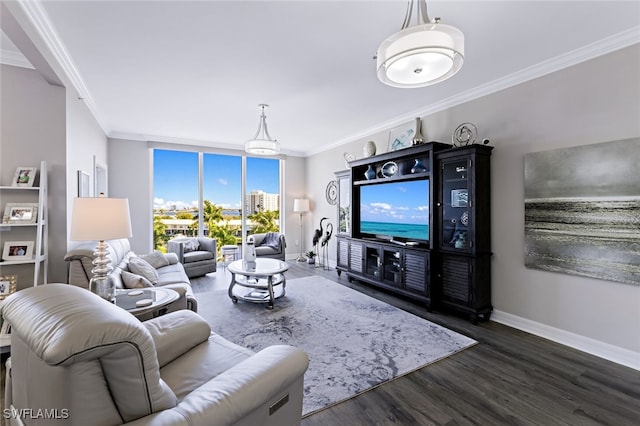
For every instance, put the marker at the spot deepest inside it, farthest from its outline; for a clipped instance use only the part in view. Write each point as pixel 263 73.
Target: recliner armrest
pixel 176 247
pixel 208 244
pixel 253 384
pixel 176 333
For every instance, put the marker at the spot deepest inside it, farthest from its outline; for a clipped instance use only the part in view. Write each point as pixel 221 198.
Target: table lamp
pixel 101 219
pixel 301 205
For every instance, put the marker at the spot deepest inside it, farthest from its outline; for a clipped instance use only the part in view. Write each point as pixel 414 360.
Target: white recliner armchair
pixel 85 361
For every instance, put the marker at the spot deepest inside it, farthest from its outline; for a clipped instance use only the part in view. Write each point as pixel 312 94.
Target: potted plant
pixel 311 257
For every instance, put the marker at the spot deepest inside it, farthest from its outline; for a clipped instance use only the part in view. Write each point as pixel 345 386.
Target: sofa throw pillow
pixel 156 259
pixel 272 239
pixel 140 266
pixel 130 280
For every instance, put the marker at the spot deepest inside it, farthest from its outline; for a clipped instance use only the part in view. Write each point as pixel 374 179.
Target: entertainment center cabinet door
pixel 466 285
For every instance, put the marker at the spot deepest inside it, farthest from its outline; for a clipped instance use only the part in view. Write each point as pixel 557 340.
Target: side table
pixel 160 299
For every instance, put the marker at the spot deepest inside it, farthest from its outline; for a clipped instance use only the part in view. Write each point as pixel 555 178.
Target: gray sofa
pixel 95 364
pixel 171 276
pixel 197 254
pixel 271 245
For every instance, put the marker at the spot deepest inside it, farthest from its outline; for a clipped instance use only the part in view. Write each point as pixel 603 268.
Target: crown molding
pixel 167 142
pixel 16 59
pixel 38 17
pixel 591 51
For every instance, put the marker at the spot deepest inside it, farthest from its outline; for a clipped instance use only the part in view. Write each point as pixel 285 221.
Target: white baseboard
pixel 594 347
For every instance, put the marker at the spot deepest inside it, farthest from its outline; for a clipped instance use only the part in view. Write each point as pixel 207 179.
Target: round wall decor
pixel 332 192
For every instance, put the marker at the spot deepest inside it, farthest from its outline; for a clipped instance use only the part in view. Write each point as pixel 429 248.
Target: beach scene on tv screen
pixel 398 209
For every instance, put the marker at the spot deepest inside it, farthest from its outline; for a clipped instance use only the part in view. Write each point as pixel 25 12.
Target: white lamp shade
pixel 301 205
pixel 421 55
pixel 100 219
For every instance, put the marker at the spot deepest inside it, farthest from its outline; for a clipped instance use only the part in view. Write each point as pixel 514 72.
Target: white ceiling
pixel 195 71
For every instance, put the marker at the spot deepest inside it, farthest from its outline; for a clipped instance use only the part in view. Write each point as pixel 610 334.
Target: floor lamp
pixel 301 205
pixel 100 219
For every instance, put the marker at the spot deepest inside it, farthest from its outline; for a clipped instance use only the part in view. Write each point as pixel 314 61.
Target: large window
pixel 227 215
pixel 175 195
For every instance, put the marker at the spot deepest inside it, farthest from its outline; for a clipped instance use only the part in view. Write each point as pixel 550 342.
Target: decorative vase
pixel 417 138
pixel 250 251
pixel 370 173
pixel 418 167
pixel 369 149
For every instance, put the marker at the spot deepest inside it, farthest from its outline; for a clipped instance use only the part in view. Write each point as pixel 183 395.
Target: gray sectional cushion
pixel 156 259
pixel 139 266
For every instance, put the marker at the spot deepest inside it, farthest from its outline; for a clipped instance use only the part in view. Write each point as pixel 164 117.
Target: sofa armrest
pixel 175 333
pixel 249 388
pixel 186 299
pixel 172 258
pixel 283 242
pixel 176 247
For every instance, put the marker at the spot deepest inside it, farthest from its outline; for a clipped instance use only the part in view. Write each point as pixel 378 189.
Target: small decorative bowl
pixel 389 169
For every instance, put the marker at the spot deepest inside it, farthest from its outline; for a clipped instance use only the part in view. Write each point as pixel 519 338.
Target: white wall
pixel 33 129
pixel 596 101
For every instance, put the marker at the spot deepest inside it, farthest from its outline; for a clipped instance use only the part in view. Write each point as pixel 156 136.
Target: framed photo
pixel 402 136
pixel 8 285
pixel 18 250
pixel 84 187
pixel 20 213
pixel 459 197
pixel 24 176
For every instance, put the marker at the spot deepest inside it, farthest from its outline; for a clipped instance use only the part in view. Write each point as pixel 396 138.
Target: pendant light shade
pixel 262 144
pixel 421 55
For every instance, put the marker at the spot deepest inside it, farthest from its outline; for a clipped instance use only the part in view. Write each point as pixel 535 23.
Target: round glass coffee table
pixel 261 281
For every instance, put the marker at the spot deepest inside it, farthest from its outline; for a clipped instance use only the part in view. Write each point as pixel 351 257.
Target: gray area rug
pixel 354 342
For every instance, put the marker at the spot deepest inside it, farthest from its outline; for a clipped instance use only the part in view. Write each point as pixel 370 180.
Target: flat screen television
pixel 399 210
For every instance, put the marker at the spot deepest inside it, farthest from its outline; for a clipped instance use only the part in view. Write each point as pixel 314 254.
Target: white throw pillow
pixel 134 281
pixel 156 259
pixel 140 266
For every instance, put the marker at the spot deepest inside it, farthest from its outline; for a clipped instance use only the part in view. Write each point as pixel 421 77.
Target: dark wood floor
pixel 510 377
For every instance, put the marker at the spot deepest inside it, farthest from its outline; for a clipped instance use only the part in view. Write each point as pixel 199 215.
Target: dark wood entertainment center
pixel 451 268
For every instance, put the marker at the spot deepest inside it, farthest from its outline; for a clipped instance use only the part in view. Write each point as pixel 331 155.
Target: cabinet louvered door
pixel 455 279
pixel 355 257
pixel 343 253
pixel 416 272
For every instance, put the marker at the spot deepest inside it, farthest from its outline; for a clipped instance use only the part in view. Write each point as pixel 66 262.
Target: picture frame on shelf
pixel 24 176
pixel 84 186
pixel 8 285
pixel 15 213
pixel 402 136
pixel 18 250
pixel 459 197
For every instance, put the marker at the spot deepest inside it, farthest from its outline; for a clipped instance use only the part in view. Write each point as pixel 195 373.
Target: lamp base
pixel 104 287
pixel 101 283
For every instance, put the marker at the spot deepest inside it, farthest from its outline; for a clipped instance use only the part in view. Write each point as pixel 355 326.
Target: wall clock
pixel 332 192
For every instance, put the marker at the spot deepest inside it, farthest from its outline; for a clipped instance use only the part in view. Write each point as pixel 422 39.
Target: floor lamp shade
pixel 101 219
pixel 300 205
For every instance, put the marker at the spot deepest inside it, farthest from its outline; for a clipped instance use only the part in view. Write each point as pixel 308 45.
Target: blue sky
pixel 175 180
pixel 396 202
